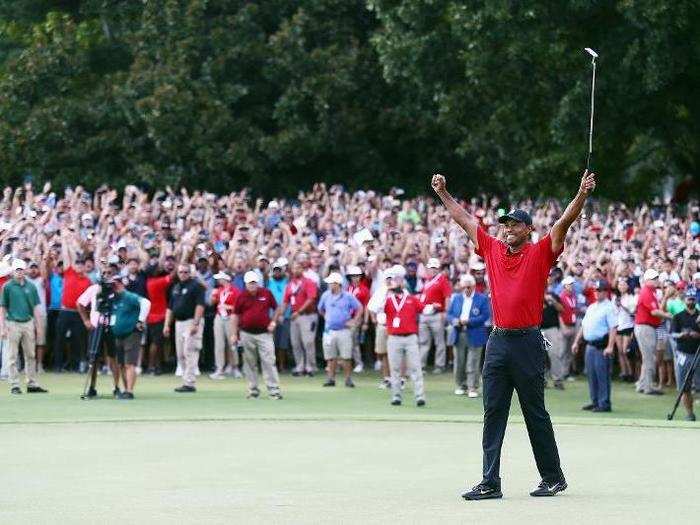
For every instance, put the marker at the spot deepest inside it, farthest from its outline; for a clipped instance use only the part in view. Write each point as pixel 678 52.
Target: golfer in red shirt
pixel 515 352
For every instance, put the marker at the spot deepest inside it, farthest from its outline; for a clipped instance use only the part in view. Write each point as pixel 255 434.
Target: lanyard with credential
pixel 397 307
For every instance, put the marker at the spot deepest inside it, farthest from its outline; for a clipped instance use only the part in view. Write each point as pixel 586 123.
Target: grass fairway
pixel 328 456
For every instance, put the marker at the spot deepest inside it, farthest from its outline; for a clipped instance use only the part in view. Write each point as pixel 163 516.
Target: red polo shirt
pixel 647 302
pixel 253 310
pixel 73 287
pixel 361 293
pixel 404 307
pixel 157 290
pixel 517 280
pixel 298 291
pixel 437 291
pixel 568 314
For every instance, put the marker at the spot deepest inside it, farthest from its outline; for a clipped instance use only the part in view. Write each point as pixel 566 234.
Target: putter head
pixel 591 52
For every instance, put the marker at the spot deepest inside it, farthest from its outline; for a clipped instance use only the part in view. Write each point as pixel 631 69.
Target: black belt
pixel 514 332
pixel 401 335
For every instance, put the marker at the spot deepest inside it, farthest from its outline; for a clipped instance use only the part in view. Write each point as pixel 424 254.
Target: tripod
pixel 96 337
pixel 686 381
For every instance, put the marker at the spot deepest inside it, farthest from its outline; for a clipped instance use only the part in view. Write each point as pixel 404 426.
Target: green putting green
pixel 328 455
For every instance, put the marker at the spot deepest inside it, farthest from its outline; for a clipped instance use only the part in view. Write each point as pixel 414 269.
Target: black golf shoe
pixel 482 491
pixel 549 489
pixel 329 382
pixel 16 390
pixel 36 389
pixel 185 388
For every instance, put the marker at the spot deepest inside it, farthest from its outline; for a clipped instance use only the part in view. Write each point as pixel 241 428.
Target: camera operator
pixel 129 313
pixel 685 329
pixel 100 297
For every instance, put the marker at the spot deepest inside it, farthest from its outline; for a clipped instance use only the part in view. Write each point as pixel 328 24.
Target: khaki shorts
pixel 337 344
pixel 380 337
pixel 127 349
pixel 40 323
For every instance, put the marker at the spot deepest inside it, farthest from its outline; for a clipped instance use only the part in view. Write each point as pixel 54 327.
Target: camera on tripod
pixel 105 298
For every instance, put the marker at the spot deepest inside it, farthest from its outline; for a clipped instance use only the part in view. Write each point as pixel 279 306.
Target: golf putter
pixel 590 129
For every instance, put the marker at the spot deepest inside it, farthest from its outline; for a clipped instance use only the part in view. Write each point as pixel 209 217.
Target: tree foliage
pixel 275 94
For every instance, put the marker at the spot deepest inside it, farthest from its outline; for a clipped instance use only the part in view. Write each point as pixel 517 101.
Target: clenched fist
pixel 438 183
pixel 587 183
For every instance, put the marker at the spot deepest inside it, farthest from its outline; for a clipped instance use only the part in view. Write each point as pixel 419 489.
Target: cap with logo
pixel 650 274
pixel 222 276
pixel 334 278
pixel 251 277
pixel 517 216
pixel 19 264
pixel 433 263
pixel 568 280
pixel 353 270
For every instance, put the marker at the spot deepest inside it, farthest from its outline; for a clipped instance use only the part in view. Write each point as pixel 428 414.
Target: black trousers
pixel 517 362
pixel 69 326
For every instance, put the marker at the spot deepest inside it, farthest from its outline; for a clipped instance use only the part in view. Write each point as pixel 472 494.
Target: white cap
pixel 273 205
pixel 263 258
pixel 353 270
pixel 478 267
pixel 19 264
pixel 86 217
pixel 398 271
pixel 650 274
pixel 334 277
pixel 251 277
pixel 5 269
pixel 467 279
pixel 282 261
pixel 222 275
pixel 568 280
pixel 113 259
pixel 696 276
pixel 433 263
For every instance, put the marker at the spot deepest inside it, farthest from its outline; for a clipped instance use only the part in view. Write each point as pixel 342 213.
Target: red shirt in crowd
pixel 73 287
pixel 517 280
pixel 437 291
pixel 568 302
pixel 224 298
pixel 361 293
pixel 298 291
pixel 647 302
pixel 402 313
pixel 157 291
pixel 3 280
pixel 253 310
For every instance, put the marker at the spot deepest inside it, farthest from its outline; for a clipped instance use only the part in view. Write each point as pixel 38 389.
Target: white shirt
pixel 376 303
pixel 41 290
pixel 466 307
pixel 625 313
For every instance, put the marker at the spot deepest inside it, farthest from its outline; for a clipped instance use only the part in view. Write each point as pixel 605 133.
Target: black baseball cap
pixel 602 285
pixel 518 216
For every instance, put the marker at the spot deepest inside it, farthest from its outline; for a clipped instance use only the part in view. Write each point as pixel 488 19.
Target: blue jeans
pixel 598 367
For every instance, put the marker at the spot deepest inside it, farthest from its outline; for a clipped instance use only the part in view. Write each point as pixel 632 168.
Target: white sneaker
pixel 459 391
pixel 359 368
pixel 178 372
pixel 377 365
pixel 237 373
pixel 570 379
pixel 228 370
pixel 473 393
pixel 139 370
pixel 217 376
pixel 197 372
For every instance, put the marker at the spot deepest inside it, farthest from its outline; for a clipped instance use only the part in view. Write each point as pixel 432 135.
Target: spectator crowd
pixel 333 280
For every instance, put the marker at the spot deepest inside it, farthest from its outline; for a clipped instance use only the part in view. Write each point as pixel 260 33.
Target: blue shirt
pixel 337 309
pixel 599 319
pixel 56 284
pixel 276 288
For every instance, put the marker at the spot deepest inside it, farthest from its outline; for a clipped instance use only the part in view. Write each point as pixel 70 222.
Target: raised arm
pixel 461 216
pixel 572 211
